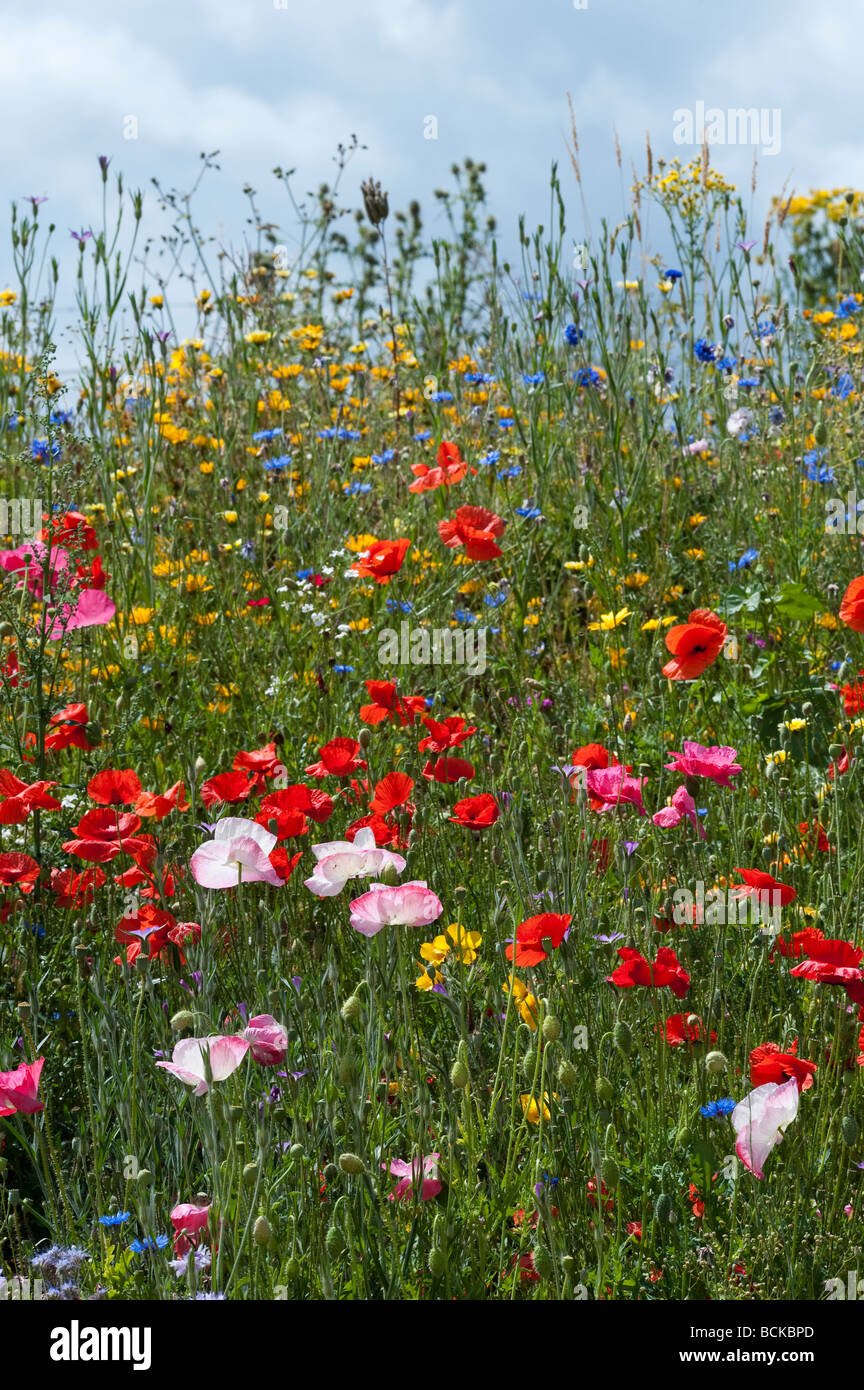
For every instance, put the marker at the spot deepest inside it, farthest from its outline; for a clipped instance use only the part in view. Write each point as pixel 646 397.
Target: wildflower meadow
pixel 431 746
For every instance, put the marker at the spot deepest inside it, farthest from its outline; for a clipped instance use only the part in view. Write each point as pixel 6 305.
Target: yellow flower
pixel 524 1001
pixel 531 1109
pixel 230 517
pixel 609 621
pixel 793 725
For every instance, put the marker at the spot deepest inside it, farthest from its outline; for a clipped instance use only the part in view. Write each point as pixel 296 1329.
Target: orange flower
pixel 382 560
pixel 695 645
pixel 852 607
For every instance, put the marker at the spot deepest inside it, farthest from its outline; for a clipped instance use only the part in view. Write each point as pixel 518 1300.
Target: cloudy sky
pixel 270 82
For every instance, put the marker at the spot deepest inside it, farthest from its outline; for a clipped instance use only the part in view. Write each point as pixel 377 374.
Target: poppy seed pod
pixel 352 1165
pixel 715 1062
pixel 364 738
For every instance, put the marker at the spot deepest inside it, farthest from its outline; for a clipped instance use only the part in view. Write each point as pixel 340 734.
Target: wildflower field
pixel 431 810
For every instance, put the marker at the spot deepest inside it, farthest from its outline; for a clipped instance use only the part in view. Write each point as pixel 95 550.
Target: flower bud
pixel 850 1130
pixel 715 1062
pixel 551 1028
pixel 250 1174
pixel 610 1172
pixel 623 1038
pixel 364 738
pixel 182 1021
pixel 663 1209
pixel 544 1265
pixel 603 1091
pixel 351 1008
pixel 352 1165
pixel 334 1242
pixel 568 1076
pixel 437 1262
pixel 331 1172
pixel 262 1231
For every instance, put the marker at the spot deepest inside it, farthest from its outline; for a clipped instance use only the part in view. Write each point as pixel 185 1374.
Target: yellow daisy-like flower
pixel 531 1108
pixel 609 621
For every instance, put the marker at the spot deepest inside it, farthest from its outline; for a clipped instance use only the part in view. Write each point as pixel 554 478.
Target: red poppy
pixel 446 769
pixel 799 943
pixel 114 788
pixel 73 889
pixel 19 799
pixel 636 970
pixel 861 1048
pixel 592 756
pixel 162 804
pixel 338 759
pixel 768 1063
pixel 392 791
pixel 71 530
pixel 102 834
pixel 679 1030
pixel 230 787
pixel 18 871
pixel 315 804
pixel 853 696
pixel 68 729
pixel 477 529
pixel 9 670
pixel 448 733
pixel 386 704
pixel 832 961
pixel 382 561
pixel 694 645
pixel 451 469
pixel 476 812
pixel 261 763
pixel 528 948
pixel 281 862
pixel 758 883
pixel 608 1203
pixel 387 835
pixel 852 607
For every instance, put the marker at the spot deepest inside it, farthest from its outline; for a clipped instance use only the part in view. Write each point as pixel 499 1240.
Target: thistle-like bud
pixel 352 1165
pixel 351 1008
pixel 460 1076
pixel 437 1262
pixel 850 1130
pixel 375 202
pixel 262 1231
pixel 182 1020
pixel 551 1028
pixel 334 1242
pixel 568 1076
pixel 330 1172
pixel 663 1208
pixel 610 1172
pixel 623 1038
pixel 544 1265
pixel 603 1091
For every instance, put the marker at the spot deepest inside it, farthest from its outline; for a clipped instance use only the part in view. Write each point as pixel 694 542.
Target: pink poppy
pixel 188 1220
pixel 682 805
pixel 192 1056
pixel 408 905
pixel 238 853
pixel 423 1171
pixel 760 1119
pixel 717 764
pixel 267 1039
pixel 19 1089
pixel 89 608
pixel 612 787
pixel 339 860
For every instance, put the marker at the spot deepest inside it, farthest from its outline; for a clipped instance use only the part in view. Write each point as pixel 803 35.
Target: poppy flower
pixel 238 853
pixel 382 560
pixel 830 961
pixel 408 905
pixel 422 1173
pixel 73 889
pixel 760 1120
pixel 68 729
pixel 228 787
pixel 853 696
pixel 19 1089
pixel 17 799
pixel 114 788
pixel 715 764
pixel 261 763
pixel 477 529
pixel 612 787
pixel 635 970
pixel 338 759
pixel 18 870
pixel 476 812
pixel 528 948
pixel 190 1226
pixel 401 710
pixel 683 807
pixel 768 1063
pixel 694 645
pixel 72 530
pixel 450 469
pixel 680 1030
pixel 87 608
pixel 852 607
pixel 591 756
pixel 385 832
pixel 446 769
pixel 198 1061
pixel 759 884
pixel 101 834
pixel 445 734
pixel 392 791
pixel 267 1039
pixel 161 804
pixel 339 860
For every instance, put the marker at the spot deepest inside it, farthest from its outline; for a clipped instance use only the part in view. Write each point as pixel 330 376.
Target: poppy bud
pixel 437 1262
pixel 183 1020
pixel 262 1231
pixel 351 1008
pixel 200 767
pixel 544 1265
pixel 389 876
pixel 568 1076
pixel 603 1091
pixel 250 1174
pixel 663 1209
pixel 609 1172
pixel 292 1267
pixel 364 738
pixel 715 1062
pixel 352 1165
pixel 346 1069
pixel 460 1076
pixel 529 1062
pixel 551 1028
pixel 850 1130
pixel 623 1038
pixel 297 1151
pixel 144 1178
pixel 93 733
pixel 568 1266
pixel 334 1242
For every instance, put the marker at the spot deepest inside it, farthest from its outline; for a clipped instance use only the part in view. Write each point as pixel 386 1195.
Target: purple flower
pixel 611 939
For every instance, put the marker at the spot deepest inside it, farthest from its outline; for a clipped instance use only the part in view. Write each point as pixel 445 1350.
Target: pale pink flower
pixel 423 1171
pixel 268 1040
pixel 614 787
pixel 682 805
pixel 339 860
pixel 238 853
pixel 760 1119
pixel 408 905
pixel 698 446
pixel 191 1057
pixel 717 764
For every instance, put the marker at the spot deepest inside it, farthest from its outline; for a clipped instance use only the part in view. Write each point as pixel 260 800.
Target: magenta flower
pixel 408 905
pixel 613 787
pixel 238 853
pixel 268 1040
pixel 717 764
pixel 682 805
pixel 760 1119
pixel 423 1171
pixel 19 1089
pixel 192 1057
pixel 188 1220
pixel 91 608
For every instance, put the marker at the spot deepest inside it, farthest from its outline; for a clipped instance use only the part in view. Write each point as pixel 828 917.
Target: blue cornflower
pixel 509 472
pixel 463 616
pixel 266 434
pixel 506 424
pixel 149 1243
pixel 844 387
pixel 115 1219
pixel 39 449
pixel 747 559
pixel 530 512
pixel 587 376
pixel 673 275
pixel 727 363
pixel 387 455
pixel 493 456
pixel 352 489
pixel 396 605
pixel 63 417
pixel 573 335
pixel 533 378
pixel 278 464
pixel 479 378
pixel 439 396
pixel 717 1107
pixel 343 670
pixel 423 435
pixel 814 469
pixel 704 351
pixel 495 600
